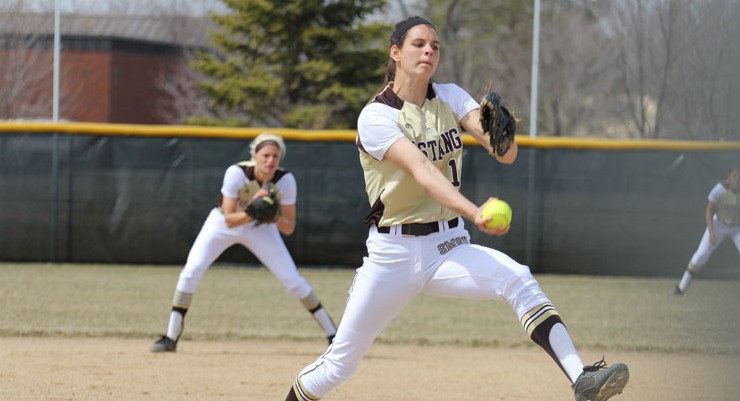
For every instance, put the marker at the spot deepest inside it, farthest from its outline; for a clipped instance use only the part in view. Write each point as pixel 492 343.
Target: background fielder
pixel 722 216
pixel 228 224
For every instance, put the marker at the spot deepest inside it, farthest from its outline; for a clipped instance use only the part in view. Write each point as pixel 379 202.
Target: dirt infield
pixel 96 369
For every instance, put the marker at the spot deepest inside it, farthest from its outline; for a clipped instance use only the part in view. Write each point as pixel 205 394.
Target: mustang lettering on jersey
pixel 436 149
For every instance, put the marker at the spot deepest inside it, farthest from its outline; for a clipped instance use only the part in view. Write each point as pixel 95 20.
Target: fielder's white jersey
pixel 241 184
pixel 396 197
pixel 726 225
pixel 728 204
pixel 264 241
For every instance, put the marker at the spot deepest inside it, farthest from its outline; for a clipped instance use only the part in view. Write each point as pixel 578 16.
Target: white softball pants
pixel 706 248
pixel 397 269
pixel 264 241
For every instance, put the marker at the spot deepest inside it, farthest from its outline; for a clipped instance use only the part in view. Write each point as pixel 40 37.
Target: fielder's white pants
pixel 706 248
pixel 397 269
pixel 264 241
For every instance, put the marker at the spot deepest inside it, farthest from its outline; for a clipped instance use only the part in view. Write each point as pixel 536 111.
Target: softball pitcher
pixel 409 140
pixel 229 224
pixel 722 216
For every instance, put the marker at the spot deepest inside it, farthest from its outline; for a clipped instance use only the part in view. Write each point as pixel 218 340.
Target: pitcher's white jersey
pixel 395 196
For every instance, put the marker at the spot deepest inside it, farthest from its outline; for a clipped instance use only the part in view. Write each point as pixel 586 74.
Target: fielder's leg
pixel 180 306
pixel 322 317
pixel 267 245
pixel 686 279
pixel 213 239
pixel 700 257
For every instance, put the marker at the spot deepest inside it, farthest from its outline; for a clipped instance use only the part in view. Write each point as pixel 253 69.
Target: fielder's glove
pixel 266 208
pixel 498 122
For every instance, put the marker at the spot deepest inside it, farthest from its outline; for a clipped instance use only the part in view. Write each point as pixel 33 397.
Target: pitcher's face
pixel 420 52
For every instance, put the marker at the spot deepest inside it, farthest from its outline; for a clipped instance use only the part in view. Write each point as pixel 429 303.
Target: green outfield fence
pixel 112 193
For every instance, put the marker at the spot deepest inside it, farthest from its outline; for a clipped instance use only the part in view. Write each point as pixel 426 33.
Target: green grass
pixel 248 303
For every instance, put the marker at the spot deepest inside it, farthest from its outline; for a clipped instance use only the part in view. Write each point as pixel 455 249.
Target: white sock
pixel 685 281
pixel 563 347
pixel 174 327
pixel 324 320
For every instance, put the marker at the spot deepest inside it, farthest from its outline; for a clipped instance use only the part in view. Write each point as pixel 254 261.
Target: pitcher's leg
pixel 375 298
pixel 476 272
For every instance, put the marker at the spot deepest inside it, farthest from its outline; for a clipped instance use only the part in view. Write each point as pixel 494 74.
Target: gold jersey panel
pixel 249 189
pixel 396 197
pixel 246 192
pixel 728 207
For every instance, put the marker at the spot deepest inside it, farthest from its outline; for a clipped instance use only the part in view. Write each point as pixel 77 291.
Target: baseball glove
pixel 498 122
pixel 266 208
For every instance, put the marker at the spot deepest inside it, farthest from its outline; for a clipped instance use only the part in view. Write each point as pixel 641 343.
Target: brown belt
pixel 419 229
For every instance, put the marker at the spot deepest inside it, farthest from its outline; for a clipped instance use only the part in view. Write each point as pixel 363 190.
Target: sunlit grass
pixel 249 303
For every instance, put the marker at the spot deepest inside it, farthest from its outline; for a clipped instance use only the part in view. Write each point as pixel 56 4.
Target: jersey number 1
pixel 453 172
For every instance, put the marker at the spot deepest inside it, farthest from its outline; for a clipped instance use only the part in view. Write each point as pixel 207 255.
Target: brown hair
pixel 397 38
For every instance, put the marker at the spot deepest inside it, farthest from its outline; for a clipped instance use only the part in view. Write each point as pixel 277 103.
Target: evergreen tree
pixel 295 63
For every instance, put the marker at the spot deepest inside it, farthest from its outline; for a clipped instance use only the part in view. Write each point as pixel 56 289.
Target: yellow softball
pixel 500 213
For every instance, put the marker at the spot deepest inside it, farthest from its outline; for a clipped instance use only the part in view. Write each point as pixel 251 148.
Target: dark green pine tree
pixel 295 63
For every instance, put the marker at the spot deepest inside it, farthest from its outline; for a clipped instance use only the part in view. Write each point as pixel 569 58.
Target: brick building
pixel 111 67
